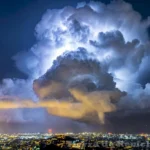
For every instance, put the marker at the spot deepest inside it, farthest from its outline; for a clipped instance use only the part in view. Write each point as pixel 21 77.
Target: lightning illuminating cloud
pixel 93 48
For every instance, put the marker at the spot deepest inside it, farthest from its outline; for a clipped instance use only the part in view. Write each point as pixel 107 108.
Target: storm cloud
pixel 91 55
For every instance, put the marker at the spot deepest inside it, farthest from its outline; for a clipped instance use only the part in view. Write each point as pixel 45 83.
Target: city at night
pixel 74 74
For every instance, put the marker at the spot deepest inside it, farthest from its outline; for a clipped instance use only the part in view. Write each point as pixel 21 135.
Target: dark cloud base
pixel 128 124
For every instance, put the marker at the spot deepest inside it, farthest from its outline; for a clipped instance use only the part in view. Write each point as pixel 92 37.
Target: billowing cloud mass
pixel 89 62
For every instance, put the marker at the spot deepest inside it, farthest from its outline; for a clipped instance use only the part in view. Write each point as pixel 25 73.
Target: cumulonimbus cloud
pixel 91 48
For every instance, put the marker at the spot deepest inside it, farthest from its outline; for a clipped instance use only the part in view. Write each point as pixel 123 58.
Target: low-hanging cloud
pixel 94 57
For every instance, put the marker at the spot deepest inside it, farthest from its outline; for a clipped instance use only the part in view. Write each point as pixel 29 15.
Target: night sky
pixel 105 60
pixel 18 20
